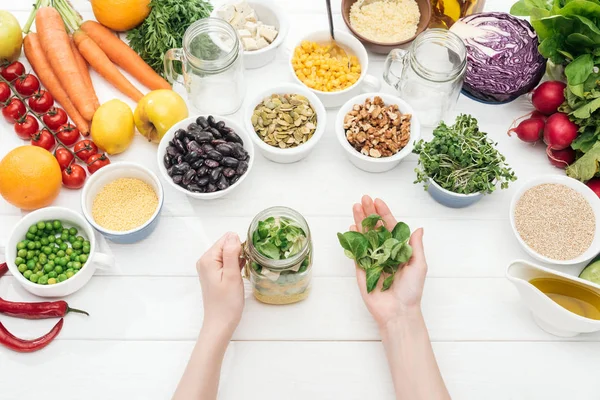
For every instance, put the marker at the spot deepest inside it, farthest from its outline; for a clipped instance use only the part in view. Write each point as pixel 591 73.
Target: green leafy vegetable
pixel 586 167
pixel 462 159
pixel 377 250
pixel 280 238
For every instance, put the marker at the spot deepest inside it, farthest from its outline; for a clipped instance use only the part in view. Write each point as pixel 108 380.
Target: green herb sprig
pixel 378 251
pixel 279 238
pixel 462 159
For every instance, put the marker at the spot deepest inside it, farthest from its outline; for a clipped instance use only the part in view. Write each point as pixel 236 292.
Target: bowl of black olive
pixel 205 157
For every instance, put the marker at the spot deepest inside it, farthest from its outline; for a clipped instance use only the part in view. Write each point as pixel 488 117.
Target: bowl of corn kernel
pixel 333 80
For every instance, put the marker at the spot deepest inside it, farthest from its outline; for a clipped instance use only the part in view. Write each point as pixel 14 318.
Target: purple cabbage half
pixel 503 61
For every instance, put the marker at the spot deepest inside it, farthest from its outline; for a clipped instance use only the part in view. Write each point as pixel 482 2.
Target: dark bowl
pixel 385 48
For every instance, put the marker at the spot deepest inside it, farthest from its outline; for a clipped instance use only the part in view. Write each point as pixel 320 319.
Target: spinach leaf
pixel 365 263
pixel 279 238
pixel 387 283
pixel 373 239
pixel 371 221
pixel 383 234
pixel 356 242
pixel 580 69
pixel 586 167
pixel 401 232
pixel 403 254
pixel 268 250
pixel 373 275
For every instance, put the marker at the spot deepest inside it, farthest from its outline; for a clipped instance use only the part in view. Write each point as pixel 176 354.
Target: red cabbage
pixel 503 61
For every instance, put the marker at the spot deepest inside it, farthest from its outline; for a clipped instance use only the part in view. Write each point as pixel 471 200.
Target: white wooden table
pixel 146 313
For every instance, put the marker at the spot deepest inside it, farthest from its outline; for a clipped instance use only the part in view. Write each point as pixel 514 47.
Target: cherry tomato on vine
pixel 54 118
pixel 4 92
pixel 67 134
pixel 43 139
pixel 96 162
pixel 85 149
pixel 14 110
pixel 26 127
pixel 73 177
pixel 13 71
pixel 26 85
pixel 41 102
pixel 64 157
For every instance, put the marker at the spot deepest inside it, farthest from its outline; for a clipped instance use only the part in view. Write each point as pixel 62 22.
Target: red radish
pixel 548 97
pixel 561 158
pixel 530 130
pixel 594 184
pixel 538 115
pixel 559 132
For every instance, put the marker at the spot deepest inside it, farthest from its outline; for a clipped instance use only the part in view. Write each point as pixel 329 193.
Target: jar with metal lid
pixel 212 65
pixel 278 255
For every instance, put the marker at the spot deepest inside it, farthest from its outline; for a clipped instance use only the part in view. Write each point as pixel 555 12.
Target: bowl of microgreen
pixel 461 164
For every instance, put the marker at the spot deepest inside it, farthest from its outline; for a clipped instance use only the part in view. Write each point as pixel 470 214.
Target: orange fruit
pixel 30 177
pixel 120 15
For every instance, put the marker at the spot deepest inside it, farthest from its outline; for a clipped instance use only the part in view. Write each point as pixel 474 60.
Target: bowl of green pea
pixel 52 252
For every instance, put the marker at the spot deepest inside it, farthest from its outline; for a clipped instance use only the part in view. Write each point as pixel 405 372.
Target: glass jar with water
pixel 210 66
pixel 429 76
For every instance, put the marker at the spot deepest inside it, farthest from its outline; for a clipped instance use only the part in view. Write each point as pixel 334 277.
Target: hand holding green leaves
pixel 377 250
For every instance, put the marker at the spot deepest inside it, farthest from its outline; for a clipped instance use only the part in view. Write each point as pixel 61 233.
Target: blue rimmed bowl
pixel 451 199
pixel 108 174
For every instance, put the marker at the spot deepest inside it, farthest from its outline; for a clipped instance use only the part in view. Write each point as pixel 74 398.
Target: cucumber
pixel 591 272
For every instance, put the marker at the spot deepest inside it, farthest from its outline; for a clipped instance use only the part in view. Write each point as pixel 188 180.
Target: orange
pixel 30 177
pixel 120 15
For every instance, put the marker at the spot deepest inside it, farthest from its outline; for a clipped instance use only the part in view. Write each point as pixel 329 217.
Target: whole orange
pixel 120 15
pixel 30 177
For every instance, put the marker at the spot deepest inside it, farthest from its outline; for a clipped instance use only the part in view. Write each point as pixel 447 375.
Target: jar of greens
pixel 278 255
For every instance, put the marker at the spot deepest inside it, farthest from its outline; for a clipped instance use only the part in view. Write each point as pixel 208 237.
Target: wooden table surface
pixel 146 312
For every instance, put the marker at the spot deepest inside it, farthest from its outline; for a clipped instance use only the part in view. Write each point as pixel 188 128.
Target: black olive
pixel 202 122
pixel 211 163
pixel 223 148
pixel 167 161
pixel 214 155
pixel 172 151
pixel 217 142
pixel 177 179
pixel 228 172
pixel 180 146
pixel 194 146
pixel 210 188
pixel 211 120
pixel 222 184
pixel 179 159
pixel 215 174
pixel 220 125
pixel 233 137
pixel 170 171
pixel 234 179
pixel 242 168
pixel 181 169
pixel 189 177
pixel 203 137
pixel 192 187
pixel 230 162
pixel 197 164
pixel 180 134
pixel 202 180
pixel 202 171
pixel 207 148
pixel 192 157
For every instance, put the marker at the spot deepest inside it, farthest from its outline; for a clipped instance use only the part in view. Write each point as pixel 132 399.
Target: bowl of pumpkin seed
pixel 285 122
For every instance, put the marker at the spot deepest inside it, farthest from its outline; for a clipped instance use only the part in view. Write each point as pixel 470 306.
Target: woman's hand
pixel 220 275
pixel 403 299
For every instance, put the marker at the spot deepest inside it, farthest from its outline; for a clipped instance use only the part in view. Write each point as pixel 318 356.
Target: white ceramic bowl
pixel 582 189
pixel 366 82
pixel 108 174
pixel 164 143
pixel 68 218
pixel 294 154
pixel 367 163
pixel 268 13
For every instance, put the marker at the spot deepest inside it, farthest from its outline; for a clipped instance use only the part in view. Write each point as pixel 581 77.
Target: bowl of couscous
pixel 123 202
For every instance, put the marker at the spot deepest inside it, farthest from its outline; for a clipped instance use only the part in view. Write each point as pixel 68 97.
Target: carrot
pixel 102 64
pixel 35 55
pixel 83 68
pixel 55 42
pixel 122 55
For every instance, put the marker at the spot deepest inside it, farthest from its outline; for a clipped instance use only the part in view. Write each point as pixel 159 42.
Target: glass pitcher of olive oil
pixel 444 13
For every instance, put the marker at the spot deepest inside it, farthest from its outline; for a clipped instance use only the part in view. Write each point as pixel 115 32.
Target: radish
pixel 529 130
pixel 559 131
pixel 548 97
pixel 538 115
pixel 594 184
pixel 561 158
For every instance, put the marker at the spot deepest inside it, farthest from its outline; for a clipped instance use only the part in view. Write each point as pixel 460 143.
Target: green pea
pixel 63 247
pixel 49 226
pixel 62 261
pixel 30 254
pixel 60 253
pixel 73 231
pixel 27 274
pixel 51 239
pixel 36 270
pixel 30 236
pixel 43 280
pixel 44 241
pixel 72 238
pixel 22 268
pixel 31 245
pixel 43 259
pixel 74 257
pixel 40 225
pixel 86 249
pixel 36 252
pixel 83 258
pixel 51 264
pixel 65 230
pixel 64 236
pixel 80 238
pixel 22 253
pixel 33 278
pixel 77 245
pixel 52 274
pixel 19 260
pixel 69 270
pixel 47 250
pixel 48 268
pixel 51 281
pixel 30 265
pixel 52 256
pixel 62 277
pixel 57 225
pixel 69 251
pixel 70 264
pixel 59 241
pixel 36 258
pixel 76 265
pixel 21 245
pixel 58 269
pixel 86 243
pixel 33 229
pixel 38 244
pixel 69 274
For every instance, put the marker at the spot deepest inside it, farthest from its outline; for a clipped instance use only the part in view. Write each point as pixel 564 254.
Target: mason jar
pixel 212 66
pixel 283 281
pixel 430 74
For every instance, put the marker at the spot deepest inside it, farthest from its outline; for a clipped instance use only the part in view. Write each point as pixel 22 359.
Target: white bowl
pixel 108 174
pixel 294 154
pixel 371 164
pixel 366 82
pixel 582 189
pixel 68 218
pixel 162 146
pixel 268 13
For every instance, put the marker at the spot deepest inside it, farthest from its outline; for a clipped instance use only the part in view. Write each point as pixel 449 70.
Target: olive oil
pixel 574 297
pixel 447 12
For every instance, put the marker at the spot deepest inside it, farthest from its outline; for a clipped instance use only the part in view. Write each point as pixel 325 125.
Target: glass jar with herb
pixel 278 255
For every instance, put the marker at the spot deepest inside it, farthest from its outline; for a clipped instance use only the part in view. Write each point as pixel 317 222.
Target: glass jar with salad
pixel 278 255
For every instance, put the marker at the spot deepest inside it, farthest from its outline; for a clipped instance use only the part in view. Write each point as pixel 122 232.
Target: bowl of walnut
pixel 377 130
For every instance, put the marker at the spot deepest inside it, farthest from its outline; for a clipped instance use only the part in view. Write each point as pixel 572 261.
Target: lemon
pixel 12 37
pixel 113 127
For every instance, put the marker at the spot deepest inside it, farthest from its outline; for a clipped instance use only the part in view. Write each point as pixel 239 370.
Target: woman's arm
pixel 223 298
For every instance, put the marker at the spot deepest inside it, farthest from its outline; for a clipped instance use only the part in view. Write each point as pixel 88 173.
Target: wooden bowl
pixel 385 48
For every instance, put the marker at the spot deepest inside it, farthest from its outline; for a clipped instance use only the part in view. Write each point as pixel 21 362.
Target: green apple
pixel 157 112
pixel 12 37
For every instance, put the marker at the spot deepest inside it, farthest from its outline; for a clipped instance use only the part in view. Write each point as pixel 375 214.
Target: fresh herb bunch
pixel 462 159
pixel 279 238
pixel 164 28
pixel 378 251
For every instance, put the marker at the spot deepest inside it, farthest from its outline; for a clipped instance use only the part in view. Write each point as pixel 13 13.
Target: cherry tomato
pixel 67 134
pixel 26 127
pixel 4 92
pixel 13 71
pixel 74 176
pixel 64 157
pixel 41 102
pixel 14 110
pixel 85 149
pixel 54 118
pixel 96 162
pixel 43 139
pixel 26 85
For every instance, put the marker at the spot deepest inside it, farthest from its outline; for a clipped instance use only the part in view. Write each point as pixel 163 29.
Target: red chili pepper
pixel 28 346
pixel 40 310
pixel 3 268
